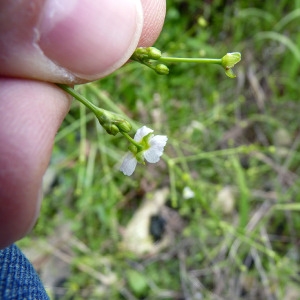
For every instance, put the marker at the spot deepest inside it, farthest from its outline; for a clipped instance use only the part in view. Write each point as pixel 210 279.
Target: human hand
pixel 46 42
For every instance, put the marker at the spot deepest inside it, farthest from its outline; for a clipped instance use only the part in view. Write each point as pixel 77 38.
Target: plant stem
pixel 79 97
pixel 217 61
pixel 132 141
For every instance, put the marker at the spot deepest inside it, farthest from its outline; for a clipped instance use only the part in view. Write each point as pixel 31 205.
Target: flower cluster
pixel 145 145
pixel 151 148
pixel 152 58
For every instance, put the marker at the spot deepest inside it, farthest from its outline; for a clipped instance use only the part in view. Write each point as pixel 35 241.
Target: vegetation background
pixel 218 217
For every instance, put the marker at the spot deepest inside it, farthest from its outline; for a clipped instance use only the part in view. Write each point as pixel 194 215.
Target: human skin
pixel 42 43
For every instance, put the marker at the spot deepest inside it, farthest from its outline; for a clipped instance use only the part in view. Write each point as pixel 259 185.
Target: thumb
pixel 68 41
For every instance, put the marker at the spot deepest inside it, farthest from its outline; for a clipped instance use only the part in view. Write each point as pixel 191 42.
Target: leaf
pixel 137 282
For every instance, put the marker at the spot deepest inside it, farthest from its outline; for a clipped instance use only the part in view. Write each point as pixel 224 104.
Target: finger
pixel 74 41
pixel 31 113
pixel 28 126
pixel 154 16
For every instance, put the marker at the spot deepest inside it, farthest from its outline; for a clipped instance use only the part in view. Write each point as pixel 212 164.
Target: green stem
pixel 148 64
pixel 132 141
pixel 80 98
pixel 217 61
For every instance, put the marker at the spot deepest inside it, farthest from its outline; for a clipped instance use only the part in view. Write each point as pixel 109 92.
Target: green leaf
pixel 137 282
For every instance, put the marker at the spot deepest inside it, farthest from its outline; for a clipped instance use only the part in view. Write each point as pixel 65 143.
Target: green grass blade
pixel 281 39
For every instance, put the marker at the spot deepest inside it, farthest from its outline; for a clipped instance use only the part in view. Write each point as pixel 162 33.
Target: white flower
pixel 188 193
pixel 153 148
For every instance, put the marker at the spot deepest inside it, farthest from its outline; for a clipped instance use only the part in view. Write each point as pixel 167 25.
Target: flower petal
pixel 141 132
pixel 129 164
pixel 188 193
pixel 157 144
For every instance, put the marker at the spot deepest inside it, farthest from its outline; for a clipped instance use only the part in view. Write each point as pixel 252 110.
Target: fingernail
pixel 90 38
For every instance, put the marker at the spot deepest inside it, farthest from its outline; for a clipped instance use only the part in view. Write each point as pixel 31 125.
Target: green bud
pixel 230 59
pixel 123 125
pixel 139 54
pixel 112 122
pixel 145 54
pixel 161 69
pixel 111 129
pixel 154 53
pixel 140 51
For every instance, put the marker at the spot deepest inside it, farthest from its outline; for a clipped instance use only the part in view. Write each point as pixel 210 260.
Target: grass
pixel 234 137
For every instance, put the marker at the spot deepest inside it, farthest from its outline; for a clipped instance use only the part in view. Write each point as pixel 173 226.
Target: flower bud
pixel 140 51
pixel 139 54
pixel 123 125
pixel 111 129
pixel 228 62
pixel 230 59
pixel 161 69
pixel 154 53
